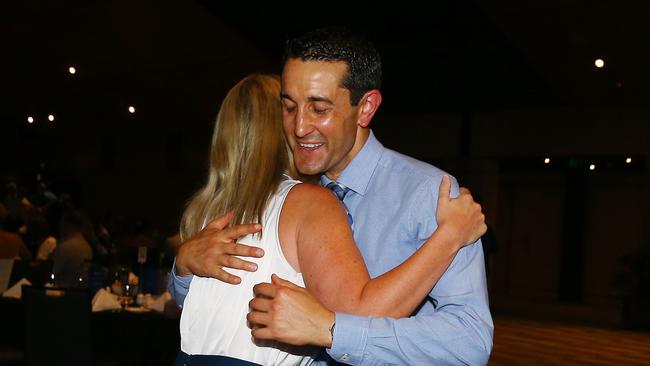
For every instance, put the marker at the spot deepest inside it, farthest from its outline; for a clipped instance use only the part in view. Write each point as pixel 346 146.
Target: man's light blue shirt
pixel 393 202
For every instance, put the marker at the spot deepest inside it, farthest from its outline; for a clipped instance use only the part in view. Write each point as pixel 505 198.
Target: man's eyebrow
pixel 320 99
pixel 311 99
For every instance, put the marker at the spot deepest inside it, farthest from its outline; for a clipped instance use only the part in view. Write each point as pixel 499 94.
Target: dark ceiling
pixel 175 59
pixel 449 56
pixel 484 54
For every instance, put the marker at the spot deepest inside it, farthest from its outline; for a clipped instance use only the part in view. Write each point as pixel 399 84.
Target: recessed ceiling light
pixel 600 63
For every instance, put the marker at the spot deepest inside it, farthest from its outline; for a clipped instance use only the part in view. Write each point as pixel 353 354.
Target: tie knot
pixel 338 190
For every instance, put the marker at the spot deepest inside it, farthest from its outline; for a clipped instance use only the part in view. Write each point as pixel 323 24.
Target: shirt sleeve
pixel 455 329
pixel 457 332
pixel 178 286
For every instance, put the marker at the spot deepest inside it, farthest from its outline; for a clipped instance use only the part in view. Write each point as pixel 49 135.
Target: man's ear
pixel 368 106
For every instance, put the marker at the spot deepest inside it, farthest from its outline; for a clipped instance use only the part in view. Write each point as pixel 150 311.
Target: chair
pixel 37 272
pixel 57 326
pixel 11 336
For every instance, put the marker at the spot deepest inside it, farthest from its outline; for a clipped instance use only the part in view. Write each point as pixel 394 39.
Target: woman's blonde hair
pixel 248 156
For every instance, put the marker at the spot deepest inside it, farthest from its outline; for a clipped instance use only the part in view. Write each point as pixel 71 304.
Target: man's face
pixel 319 121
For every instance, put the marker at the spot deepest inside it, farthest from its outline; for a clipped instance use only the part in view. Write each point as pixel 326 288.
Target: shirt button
pixel 345 357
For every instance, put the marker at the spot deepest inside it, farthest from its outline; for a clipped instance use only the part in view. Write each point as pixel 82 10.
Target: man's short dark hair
pixel 335 44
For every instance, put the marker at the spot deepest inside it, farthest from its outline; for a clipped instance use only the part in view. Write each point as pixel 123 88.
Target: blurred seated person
pixel 12 245
pixel 71 252
pixel 16 201
pixel 88 231
pixel 38 236
pixel 104 237
pixel 43 195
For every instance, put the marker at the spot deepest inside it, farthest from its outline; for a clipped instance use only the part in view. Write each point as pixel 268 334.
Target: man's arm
pixel 458 331
pixel 210 251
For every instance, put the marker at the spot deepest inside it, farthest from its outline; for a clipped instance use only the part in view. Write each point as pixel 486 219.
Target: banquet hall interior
pixel 541 109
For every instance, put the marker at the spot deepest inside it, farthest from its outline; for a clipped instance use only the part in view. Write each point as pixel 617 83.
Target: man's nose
pixel 303 125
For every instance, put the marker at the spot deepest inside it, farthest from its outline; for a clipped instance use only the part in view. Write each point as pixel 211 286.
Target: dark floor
pixel 534 342
pixel 531 342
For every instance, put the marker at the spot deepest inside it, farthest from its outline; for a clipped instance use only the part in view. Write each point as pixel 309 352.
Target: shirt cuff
pixel 350 337
pixel 180 285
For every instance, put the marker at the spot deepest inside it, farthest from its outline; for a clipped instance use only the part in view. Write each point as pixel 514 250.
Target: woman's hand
pixel 214 248
pixel 460 218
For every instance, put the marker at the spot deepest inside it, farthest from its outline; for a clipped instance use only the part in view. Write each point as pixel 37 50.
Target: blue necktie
pixel 340 193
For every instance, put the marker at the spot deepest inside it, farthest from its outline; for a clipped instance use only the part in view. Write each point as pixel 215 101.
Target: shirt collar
pixel 357 174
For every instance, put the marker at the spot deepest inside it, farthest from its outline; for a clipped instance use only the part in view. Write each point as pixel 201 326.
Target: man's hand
pixel 287 313
pixel 459 217
pixel 214 247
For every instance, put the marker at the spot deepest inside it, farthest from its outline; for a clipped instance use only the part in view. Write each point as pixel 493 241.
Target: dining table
pixel 128 336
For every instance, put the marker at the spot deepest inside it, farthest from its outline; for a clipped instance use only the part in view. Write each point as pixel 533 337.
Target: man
pixel 72 252
pixel 330 92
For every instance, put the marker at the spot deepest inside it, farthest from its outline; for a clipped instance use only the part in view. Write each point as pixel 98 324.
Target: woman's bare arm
pixel 317 239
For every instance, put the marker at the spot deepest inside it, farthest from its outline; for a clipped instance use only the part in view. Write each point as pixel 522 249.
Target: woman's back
pixel 214 312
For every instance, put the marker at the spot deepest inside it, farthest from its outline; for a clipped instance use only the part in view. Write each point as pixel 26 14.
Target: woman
pixel 305 235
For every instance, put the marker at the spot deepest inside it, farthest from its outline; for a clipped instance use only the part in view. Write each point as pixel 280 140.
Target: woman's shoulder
pixel 311 202
pixel 308 193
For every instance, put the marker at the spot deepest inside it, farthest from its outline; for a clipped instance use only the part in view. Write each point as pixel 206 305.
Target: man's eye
pixel 289 109
pixel 318 109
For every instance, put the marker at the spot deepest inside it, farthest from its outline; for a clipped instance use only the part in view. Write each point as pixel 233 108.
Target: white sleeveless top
pixel 213 321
